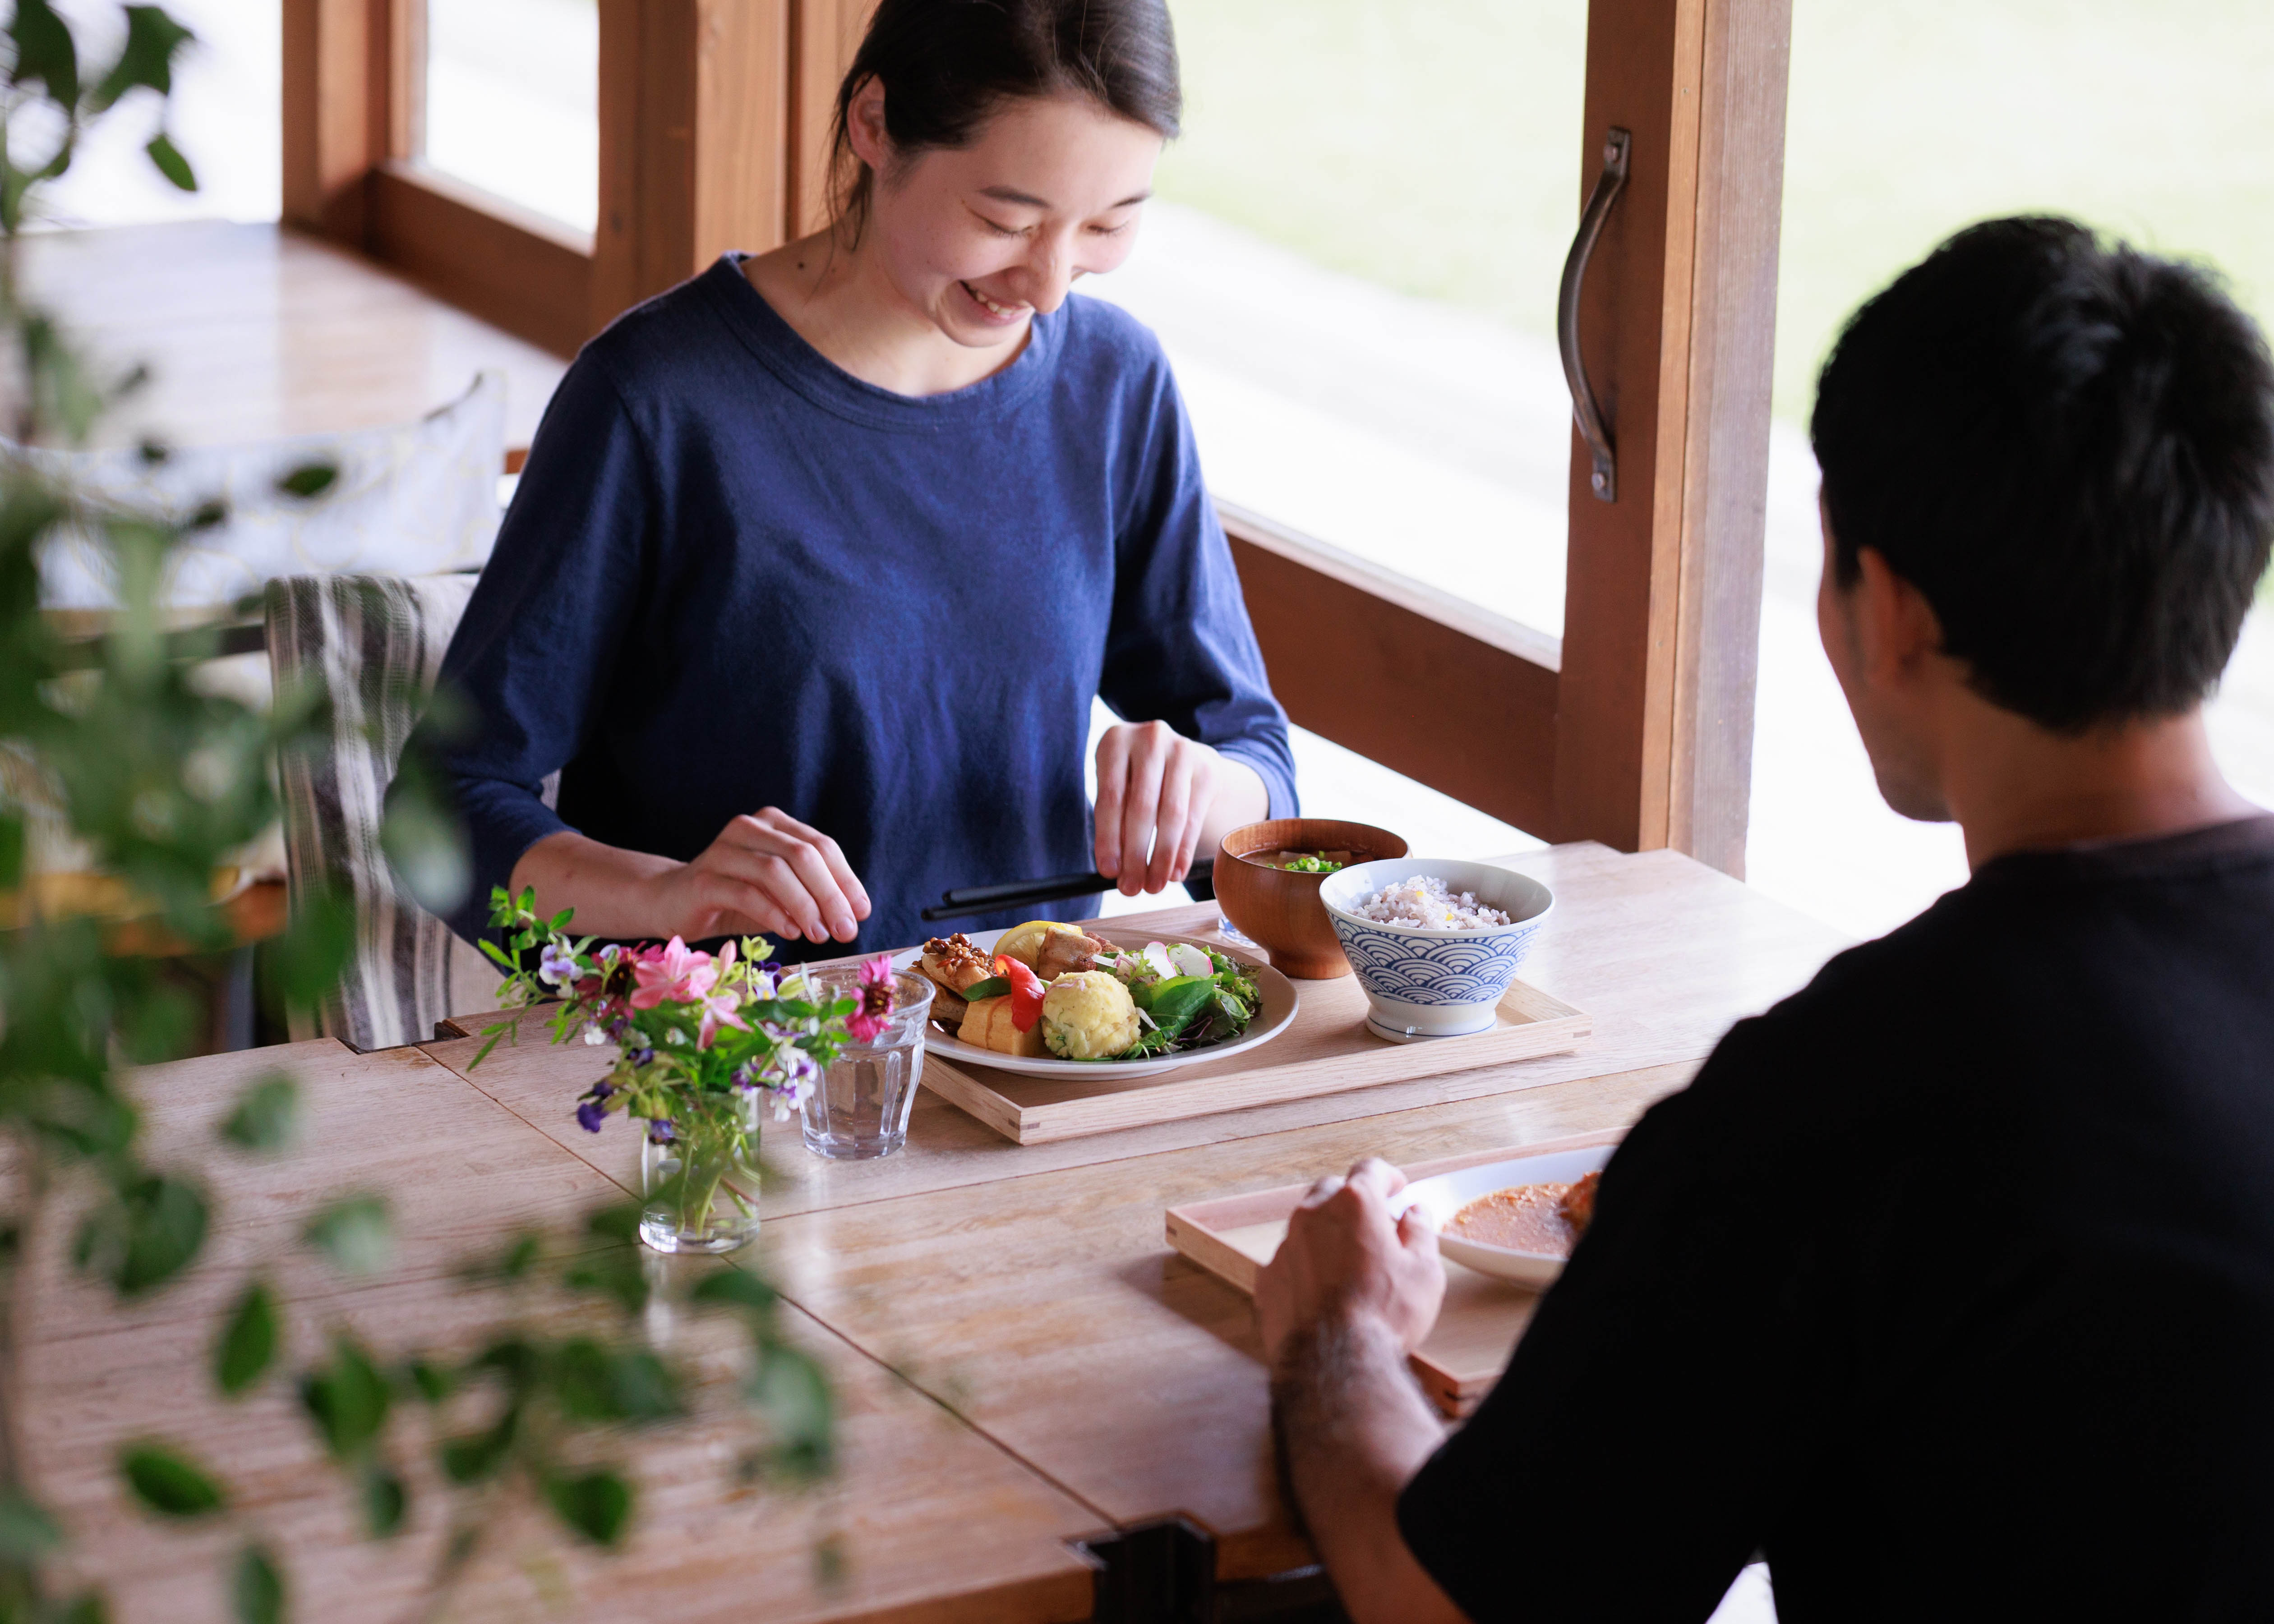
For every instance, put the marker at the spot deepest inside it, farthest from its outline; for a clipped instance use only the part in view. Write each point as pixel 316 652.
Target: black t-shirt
pixel 1949 1283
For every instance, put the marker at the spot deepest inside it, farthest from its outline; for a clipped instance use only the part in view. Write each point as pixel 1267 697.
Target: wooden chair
pixel 375 644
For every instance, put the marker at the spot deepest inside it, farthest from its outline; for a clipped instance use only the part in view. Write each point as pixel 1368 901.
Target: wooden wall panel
pixel 695 100
pixel 1458 699
pixel 824 36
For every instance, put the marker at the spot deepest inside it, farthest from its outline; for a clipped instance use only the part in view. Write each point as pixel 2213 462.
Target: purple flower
pixel 639 1057
pixel 591 1114
pixel 659 1131
pixel 556 968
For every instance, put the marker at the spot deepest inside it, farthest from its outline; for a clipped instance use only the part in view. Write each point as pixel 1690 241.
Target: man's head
pixel 2048 480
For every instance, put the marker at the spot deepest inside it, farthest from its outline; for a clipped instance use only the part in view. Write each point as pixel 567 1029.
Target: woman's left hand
pixel 1161 793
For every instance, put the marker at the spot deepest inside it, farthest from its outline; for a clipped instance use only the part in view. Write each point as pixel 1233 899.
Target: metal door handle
pixel 1584 411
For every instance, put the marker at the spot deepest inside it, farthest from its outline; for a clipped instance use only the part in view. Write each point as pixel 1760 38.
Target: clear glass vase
pixel 699 1178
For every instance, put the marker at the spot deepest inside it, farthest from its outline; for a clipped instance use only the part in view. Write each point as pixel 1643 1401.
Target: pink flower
pixel 672 973
pixel 877 999
pixel 719 1010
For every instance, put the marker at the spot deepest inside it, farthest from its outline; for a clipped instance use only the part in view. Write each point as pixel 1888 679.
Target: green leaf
pixel 792 1390
pixel 313 954
pixel 733 1287
pixel 27 1532
pixel 171 164
pixel 45 52
pixel 147 60
pixel 356 1234
pixel 166 1484
pixel 596 1504
pixel 11 850
pixel 430 1382
pixel 268 1114
pixel 146 1234
pixel 88 1608
pixel 592 1383
pixel 385 1500
pixel 348 1400
pixel 309 480
pixel 256 1590
pixel 248 1342
pixel 470 1459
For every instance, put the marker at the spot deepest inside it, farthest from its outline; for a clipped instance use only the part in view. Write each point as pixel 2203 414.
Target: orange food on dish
pixel 1541 1219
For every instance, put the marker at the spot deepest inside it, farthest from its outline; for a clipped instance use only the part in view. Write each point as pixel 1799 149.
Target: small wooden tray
pixel 1326 1049
pixel 1478 1328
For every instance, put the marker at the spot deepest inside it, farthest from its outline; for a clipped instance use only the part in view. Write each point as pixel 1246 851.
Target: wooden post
pixel 1662 594
pixel 824 36
pixel 337 62
pixel 695 100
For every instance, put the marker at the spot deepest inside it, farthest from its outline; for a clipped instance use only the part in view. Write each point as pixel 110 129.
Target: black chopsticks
pixel 1023 893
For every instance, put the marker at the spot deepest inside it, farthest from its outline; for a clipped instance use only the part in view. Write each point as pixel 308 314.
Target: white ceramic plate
pixel 1274 1011
pixel 1446 1194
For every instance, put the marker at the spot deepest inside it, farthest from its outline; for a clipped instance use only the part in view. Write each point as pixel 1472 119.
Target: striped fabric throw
pixel 375 644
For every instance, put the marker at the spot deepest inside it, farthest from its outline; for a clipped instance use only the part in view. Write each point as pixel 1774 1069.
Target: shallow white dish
pixel 1274 1012
pixel 1447 1193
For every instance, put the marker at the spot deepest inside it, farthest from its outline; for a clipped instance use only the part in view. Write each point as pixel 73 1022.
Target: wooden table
pixel 1025 1361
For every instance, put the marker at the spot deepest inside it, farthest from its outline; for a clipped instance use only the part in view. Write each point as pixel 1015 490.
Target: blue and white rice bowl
pixel 1435 983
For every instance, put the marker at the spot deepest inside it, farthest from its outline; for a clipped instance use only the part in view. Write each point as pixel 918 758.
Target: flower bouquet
pixel 702 1041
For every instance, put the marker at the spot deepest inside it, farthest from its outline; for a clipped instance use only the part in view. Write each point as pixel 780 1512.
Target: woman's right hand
pixel 770 874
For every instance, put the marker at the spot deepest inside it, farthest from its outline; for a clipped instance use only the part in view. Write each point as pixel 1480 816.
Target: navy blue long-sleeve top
pixel 736 577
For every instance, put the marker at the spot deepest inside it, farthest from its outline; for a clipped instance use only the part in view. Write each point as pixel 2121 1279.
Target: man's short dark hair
pixel 2068 449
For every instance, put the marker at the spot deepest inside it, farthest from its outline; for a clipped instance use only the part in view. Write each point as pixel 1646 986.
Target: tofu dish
pixel 1051 991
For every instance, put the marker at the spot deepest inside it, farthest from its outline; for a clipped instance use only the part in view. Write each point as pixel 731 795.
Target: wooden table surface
pixel 1024 1360
pixel 255 332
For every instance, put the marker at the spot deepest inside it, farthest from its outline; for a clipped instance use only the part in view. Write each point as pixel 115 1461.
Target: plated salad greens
pixel 1050 990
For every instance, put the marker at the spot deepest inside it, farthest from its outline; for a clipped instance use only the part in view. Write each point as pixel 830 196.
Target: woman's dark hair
pixel 2068 449
pixel 947 65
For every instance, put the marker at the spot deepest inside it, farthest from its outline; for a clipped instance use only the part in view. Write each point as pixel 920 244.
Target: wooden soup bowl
pixel 1279 908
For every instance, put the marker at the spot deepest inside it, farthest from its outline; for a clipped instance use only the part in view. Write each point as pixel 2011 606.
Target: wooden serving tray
pixel 1482 1320
pixel 1326 1049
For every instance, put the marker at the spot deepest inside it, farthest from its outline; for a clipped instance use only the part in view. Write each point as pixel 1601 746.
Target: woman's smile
pixel 994 312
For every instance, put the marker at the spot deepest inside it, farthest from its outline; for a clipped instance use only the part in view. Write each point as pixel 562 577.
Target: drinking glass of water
pixel 861 1108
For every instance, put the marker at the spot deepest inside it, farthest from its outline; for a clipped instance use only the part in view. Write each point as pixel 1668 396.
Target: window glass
pixel 513 100
pixel 1908 120
pixel 1352 264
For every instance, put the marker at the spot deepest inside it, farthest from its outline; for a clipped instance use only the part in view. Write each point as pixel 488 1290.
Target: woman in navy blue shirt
pixel 820 557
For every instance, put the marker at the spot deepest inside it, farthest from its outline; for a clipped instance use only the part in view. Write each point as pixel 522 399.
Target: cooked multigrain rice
pixel 1424 904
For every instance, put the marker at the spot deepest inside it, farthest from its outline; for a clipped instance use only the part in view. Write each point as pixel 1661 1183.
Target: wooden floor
pixel 254 332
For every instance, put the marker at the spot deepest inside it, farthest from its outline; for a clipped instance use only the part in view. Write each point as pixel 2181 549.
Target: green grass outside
pixel 1433 146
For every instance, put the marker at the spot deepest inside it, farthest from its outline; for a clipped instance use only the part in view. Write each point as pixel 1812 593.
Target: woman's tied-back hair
pixel 2067 447
pixel 947 65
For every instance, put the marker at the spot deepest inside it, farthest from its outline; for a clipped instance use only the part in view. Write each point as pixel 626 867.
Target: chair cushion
pixel 375 645
pixel 416 499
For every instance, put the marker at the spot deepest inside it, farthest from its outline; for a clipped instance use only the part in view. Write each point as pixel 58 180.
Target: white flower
pixel 594 1035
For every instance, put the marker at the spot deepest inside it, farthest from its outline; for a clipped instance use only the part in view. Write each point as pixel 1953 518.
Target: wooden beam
pixel 508 264
pixel 334 116
pixel 1725 503
pixel 694 138
pixel 1461 699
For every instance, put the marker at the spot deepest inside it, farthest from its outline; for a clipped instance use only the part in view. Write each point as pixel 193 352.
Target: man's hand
pixel 767 873
pixel 1345 1257
pixel 1163 793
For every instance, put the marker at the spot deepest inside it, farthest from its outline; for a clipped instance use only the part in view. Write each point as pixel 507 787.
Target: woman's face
pixel 980 237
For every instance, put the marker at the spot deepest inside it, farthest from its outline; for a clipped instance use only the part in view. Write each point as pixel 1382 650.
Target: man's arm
pixel 1350 1293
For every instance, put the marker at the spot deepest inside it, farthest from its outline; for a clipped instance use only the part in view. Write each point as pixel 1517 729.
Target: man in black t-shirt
pixel 1949 1283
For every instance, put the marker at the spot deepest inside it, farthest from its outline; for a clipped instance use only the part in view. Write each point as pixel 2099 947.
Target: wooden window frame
pixel 1634 728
